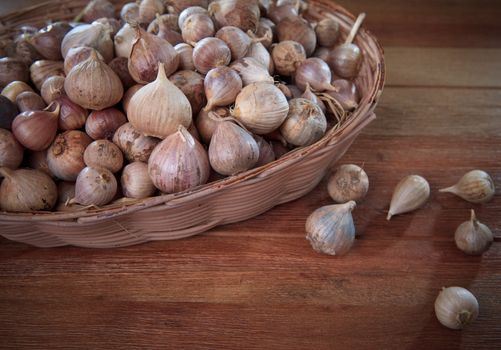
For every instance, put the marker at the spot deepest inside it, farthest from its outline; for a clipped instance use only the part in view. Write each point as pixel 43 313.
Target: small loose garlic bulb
pixel 349 183
pixel 456 307
pixel 94 186
pixel 210 53
pixel 196 27
pixel 136 182
pixel 330 229
pixel 327 31
pixel 473 237
pixel 305 123
pixel 410 194
pixel 475 186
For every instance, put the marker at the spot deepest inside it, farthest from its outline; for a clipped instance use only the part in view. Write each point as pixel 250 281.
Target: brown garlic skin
pixel 196 27
pixel 327 31
pixel 192 85
pixel 104 153
pixel 77 55
pixel 261 54
pixel 35 130
pixel 11 151
pixel 244 152
pixel 136 182
pixel 210 53
pixel 266 152
pixel 103 124
pixel 222 85
pixel 52 88
pixel 8 111
pixel 236 39
pixel 147 52
pixel 278 12
pixel 95 35
pixel 120 66
pixel 187 12
pixel 65 155
pixel 475 186
pixel 26 190
pixel 30 101
pixel 128 95
pixel 473 237
pixel 47 41
pixel 12 69
pixel 15 88
pixel 130 12
pixel 206 124
pixel 38 161
pixel 316 73
pixel 168 21
pixel 181 5
pixel 185 53
pixel 251 71
pixel 347 94
pixel 97 9
pixel 297 29
pixel 178 163
pixel 330 229
pixel 42 70
pixel 135 147
pixel 305 123
pixel 92 84
pixel 322 53
pixel 148 9
pixel 237 13
pixel 287 56
pixel 345 60
pixel 71 115
pixel 94 186
pixel 348 183
pixel 24 50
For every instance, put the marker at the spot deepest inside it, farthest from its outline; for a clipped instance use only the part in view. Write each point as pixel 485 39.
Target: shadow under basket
pixel 232 199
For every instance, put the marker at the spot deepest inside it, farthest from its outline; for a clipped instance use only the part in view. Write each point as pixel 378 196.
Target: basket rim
pixel 360 117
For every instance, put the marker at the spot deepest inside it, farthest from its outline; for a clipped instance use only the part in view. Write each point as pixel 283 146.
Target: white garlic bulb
pixel 349 183
pixel 410 194
pixel 473 237
pixel 330 229
pixel 475 186
pixel 456 307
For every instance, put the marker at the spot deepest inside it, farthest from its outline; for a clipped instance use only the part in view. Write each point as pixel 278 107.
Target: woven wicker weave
pixel 225 201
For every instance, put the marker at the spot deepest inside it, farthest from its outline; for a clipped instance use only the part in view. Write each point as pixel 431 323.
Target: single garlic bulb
pixel 196 27
pixel 258 52
pixel 42 70
pixel 77 55
pixel 456 307
pixel 475 186
pixel 94 186
pixel 222 85
pixel 242 14
pixel 170 109
pixel 327 31
pixel 187 12
pixel 185 54
pixel 134 145
pixel 261 107
pixel 315 72
pixel 26 190
pixel 232 149
pixel 104 153
pixel 410 194
pixel 330 229
pixel 207 122
pixel 191 85
pixel 136 182
pixel 297 29
pixel 65 155
pixel 305 123
pixel 251 71
pixel 349 183
pixel 124 40
pixel 236 39
pixel 92 84
pixel 178 163
pixel 95 35
pixel 148 10
pixel 473 237
pixel 210 53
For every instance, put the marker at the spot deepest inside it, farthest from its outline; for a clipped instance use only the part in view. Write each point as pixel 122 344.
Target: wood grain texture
pixel 258 284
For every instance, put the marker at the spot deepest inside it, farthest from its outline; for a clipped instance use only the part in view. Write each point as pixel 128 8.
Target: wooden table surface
pixel 258 284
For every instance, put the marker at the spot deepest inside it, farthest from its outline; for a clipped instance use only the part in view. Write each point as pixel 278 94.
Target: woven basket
pixel 225 201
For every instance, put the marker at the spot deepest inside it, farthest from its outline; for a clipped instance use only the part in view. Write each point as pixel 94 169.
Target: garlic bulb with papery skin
pixel 251 71
pixel 15 88
pixel 104 153
pixel 11 151
pixel 410 194
pixel 187 12
pixel 71 115
pixel 136 182
pixel 178 163
pixel 134 145
pixel 236 39
pixel 347 94
pixel 210 53
pixel 42 70
pixel 26 190
pixel 130 12
pixel 167 21
pixel 456 307
pixel 95 35
pixel 196 27
pixel 327 31
pixel 305 123
pixel 103 124
pixel 76 55
pixel 260 54
pixel 35 130
pixel 330 229
pixel 287 56
pixel 348 183
pixel 172 36
pixel 192 85
pixel 185 54
pixel 261 107
pixel 47 41
pixel 30 101
pixel 222 85
pixel 297 29
pixel 232 149
pixel 148 9
pixel 316 73
pixel 265 32
pixel 124 40
pixel 65 155
pixel 279 11
pixel 92 84
pixel 94 186
pixel 473 237
pixel 237 13
pixel 162 118
pixel 207 122
pixel 147 52
pixel 475 186
pixel 52 88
